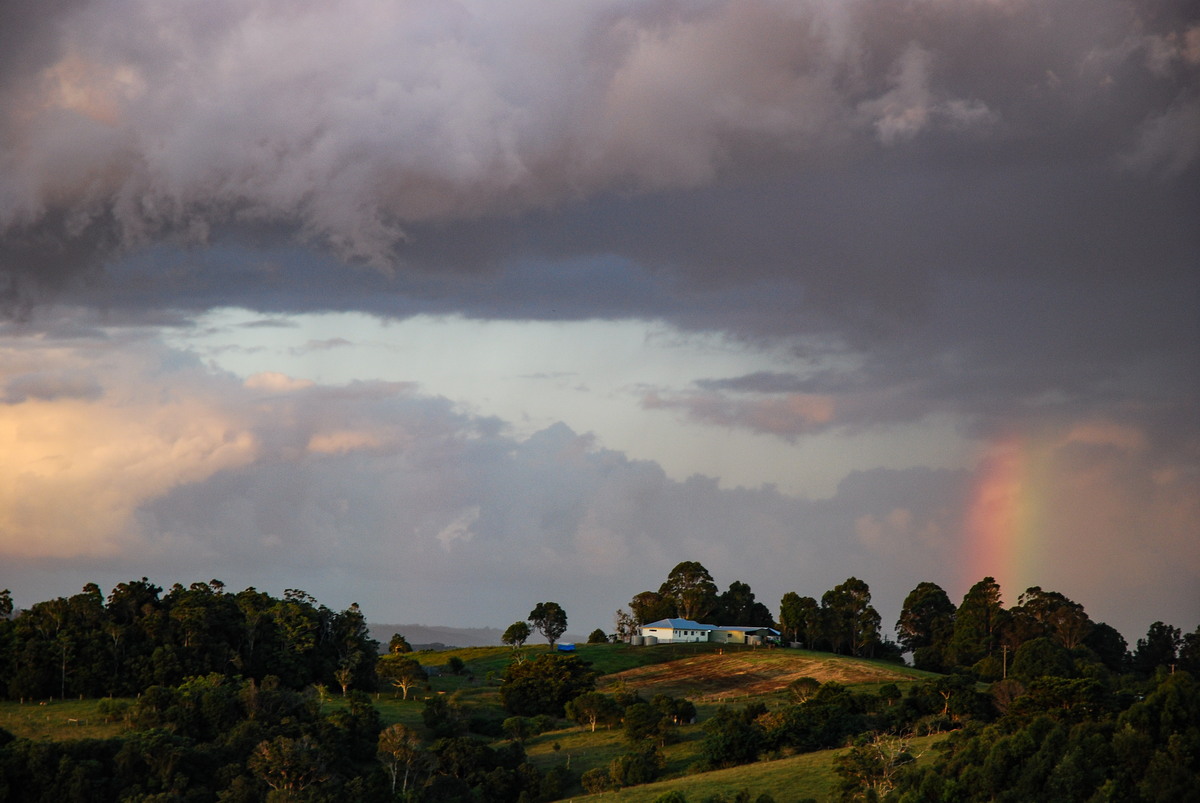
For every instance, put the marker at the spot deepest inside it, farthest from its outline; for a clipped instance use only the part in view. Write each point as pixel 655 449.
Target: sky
pixel 450 308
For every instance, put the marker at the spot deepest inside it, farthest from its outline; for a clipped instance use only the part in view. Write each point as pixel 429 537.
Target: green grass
pixel 58 720
pixel 786 779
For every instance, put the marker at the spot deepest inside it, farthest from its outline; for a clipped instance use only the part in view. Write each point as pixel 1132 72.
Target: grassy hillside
pixel 59 720
pixel 726 674
pixel 785 779
pixel 709 675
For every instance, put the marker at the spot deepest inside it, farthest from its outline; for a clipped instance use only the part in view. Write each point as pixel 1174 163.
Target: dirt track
pixel 713 676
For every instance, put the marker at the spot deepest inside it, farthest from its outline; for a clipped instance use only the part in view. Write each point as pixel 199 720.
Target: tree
pixel 692 590
pixel 870 769
pixel 624 625
pixel 399 644
pixel 925 625
pixel 1109 645
pixel 344 675
pixel 549 619
pixel 731 738
pixel 515 637
pixel 1047 613
pixel 545 684
pixel 800 618
pixel 644 721
pixel 597 636
pixel 738 607
pixel 401 671
pixel 651 606
pixel 288 766
pixel 853 623
pixel 1042 657
pixel 977 623
pixel 1189 652
pixel 1160 647
pixel 632 769
pixel 592 708
pixel 400 747
pixel 801 690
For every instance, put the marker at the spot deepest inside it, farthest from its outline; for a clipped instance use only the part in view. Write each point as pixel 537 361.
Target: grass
pixel 58 720
pixel 810 775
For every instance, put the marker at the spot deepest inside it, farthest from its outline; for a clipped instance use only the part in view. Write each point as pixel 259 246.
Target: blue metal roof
pixel 679 624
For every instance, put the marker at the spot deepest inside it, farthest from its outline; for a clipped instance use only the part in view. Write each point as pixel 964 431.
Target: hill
pixel 437 636
pixel 750 672
pixel 441 637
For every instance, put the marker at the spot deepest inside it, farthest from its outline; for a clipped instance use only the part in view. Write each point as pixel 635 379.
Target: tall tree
pixel 977 624
pixel 1047 613
pixel 853 623
pixel 738 607
pixel 925 625
pixel 1110 646
pixel 624 625
pixel 1160 647
pixel 549 619
pixel 800 619
pixel 692 590
pixel 651 606
pixel 400 749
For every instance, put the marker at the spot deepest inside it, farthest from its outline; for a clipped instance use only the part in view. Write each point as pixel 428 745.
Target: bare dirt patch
pixel 714 676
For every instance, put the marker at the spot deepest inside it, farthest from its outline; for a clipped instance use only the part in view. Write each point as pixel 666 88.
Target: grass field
pixel 787 779
pixel 726 674
pixel 58 720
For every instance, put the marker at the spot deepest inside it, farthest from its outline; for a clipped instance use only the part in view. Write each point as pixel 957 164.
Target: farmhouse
pixel 684 631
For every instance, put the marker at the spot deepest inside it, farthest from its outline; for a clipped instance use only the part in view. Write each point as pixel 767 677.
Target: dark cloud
pixel 849 150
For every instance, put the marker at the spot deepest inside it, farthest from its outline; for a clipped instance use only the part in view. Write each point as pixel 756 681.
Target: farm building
pixel 685 631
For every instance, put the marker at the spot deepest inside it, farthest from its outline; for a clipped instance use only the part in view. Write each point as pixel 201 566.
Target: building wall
pixel 729 636
pixel 666 635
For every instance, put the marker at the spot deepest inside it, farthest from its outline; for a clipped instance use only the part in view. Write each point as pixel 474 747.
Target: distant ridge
pixel 437 637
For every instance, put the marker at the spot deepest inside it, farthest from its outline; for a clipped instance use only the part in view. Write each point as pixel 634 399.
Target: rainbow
pixel 1004 515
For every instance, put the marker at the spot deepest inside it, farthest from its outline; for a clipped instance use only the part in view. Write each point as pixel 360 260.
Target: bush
pixel 731 738
pixel 632 769
pixel 595 780
pixel 545 684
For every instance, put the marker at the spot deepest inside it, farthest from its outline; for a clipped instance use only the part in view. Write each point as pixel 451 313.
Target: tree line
pixel 87 645
pixel 979 636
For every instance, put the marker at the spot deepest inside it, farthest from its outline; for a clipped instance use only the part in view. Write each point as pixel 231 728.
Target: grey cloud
pixel 322 345
pixel 150 126
pixel 50 386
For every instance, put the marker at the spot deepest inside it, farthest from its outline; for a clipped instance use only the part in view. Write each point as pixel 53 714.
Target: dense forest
pixel 244 697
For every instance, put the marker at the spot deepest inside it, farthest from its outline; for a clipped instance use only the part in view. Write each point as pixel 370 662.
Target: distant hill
pixel 437 637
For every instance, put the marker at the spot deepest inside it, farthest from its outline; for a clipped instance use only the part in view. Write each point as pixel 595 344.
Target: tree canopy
pixel 549 619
